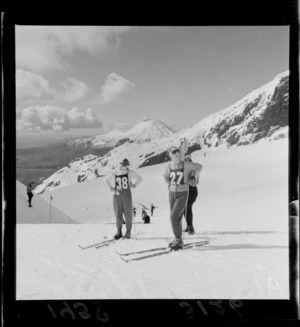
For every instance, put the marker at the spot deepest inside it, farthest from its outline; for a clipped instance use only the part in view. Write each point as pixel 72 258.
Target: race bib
pixel 176 177
pixel 122 182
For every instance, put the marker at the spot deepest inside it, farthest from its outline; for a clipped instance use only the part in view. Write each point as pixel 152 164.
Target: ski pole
pixel 50 206
pixel 106 223
pixel 187 199
pixel 134 226
pixel 168 235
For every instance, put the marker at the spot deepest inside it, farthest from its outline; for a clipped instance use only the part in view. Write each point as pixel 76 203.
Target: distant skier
pixel 146 218
pixel 152 209
pixel 193 194
pixel 134 211
pixel 143 211
pixel 29 190
pixel 176 176
pixel 119 181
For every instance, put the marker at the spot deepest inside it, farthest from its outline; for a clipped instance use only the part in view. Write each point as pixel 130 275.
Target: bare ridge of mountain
pixel 262 115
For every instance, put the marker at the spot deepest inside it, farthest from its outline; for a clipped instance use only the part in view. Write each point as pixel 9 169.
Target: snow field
pixel 242 209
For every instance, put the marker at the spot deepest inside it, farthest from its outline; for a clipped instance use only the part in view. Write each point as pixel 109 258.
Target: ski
pixel 162 252
pixel 154 249
pixel 100 245
pixel 143 251
pixel 96 244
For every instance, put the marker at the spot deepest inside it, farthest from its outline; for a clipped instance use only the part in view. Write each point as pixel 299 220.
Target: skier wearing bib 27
pixel 176 176
pixel 120 182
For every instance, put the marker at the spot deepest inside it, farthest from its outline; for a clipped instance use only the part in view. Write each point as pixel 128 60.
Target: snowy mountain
pixel 149 130
pixel 262 115
pixel 106 140
pixel 146 130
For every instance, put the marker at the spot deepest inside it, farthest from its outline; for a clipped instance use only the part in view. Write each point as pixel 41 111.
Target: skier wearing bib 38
pixel 119 181
pixel 176 176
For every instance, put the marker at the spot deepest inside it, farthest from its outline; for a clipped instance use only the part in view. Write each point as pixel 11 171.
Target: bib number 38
pixel 176 177
pixel 122 183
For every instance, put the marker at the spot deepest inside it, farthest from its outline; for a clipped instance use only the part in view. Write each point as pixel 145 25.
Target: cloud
pixel 113 87
pixel 30 85
pixel 56 119
pixel 44 48
pixel 73 90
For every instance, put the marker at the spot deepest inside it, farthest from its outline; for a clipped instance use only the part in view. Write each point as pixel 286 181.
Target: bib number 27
pixel 176 177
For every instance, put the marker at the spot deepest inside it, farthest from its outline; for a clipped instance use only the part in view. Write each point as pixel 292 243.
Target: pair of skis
pixel 97 245
pixel 143 254
pixel 154 252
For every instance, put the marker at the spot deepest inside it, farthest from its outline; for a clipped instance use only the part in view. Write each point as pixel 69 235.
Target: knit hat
pixel 125 162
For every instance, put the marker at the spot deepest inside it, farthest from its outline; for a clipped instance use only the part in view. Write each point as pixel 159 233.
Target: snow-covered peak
pixel 108 139
pixel 148 130
pixel 114 133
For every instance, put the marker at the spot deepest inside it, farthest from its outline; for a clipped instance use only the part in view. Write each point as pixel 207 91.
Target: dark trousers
pixel 177 202
pixel 122 204
pixel 193 194
pixel 30 196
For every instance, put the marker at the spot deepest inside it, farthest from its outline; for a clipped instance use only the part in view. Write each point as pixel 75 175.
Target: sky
pixel 88 80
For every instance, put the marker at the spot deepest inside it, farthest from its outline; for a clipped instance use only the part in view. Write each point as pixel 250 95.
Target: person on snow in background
pixel 152 209
pixel 176 176
pixel 120 182
pixel 146 218
pixel 134 211
pixel 193 194
pixel 143 211
pixel 29 190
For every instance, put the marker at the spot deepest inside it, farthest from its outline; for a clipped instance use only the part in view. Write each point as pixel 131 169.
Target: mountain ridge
pixel 262 115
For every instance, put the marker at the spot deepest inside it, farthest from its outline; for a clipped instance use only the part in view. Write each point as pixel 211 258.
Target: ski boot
pixel 177 244
pixel 191 230
pixel 127 234
pixel 118 235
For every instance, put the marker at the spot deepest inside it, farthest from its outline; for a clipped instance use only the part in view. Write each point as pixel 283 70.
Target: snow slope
pixel 40 212
pixel 242 210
